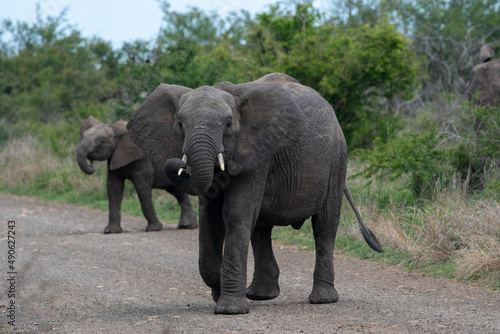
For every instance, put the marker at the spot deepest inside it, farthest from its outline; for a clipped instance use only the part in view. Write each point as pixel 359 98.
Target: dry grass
pixel 18 159
pixel 26 164
pixel 482 260
pixel 451 227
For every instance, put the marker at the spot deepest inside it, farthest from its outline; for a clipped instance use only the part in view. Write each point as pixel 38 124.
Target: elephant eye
pixel 179 124
pixel 229 123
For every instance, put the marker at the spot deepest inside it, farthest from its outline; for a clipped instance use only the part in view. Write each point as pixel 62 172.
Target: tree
pixel 359 70
pixel 446 35
pixel 48 69
pixel 449 34
pixel 192 49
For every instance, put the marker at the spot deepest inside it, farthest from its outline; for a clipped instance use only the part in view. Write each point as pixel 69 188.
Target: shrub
pixel 466 150
pixel 414 155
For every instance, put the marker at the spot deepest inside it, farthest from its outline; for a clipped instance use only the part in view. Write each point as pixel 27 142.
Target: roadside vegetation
pixel 424 164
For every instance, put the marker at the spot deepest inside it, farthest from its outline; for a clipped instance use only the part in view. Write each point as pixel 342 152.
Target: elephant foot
pixel 232 305
pixel 113 228
pixel 263 291
pixel 323 294
pixel 154 227
pixel 188 222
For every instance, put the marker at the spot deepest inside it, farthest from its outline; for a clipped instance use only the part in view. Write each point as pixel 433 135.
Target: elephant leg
pixel 144 189
pixel 264 284
pixel 114 188
pixel 241 210
pixel 211 237
pixel 325 225
pixel 188 216
pixel 323 288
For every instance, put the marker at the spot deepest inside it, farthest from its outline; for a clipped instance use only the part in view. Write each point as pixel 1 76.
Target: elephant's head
pixel 100 141
pixel 236 128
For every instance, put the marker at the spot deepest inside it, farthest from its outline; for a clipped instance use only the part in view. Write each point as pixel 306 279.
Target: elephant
pixel 111 142
pixel 484 79
pixel 258 154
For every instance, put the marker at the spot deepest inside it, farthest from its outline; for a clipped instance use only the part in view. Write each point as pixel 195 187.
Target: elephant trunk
pixel 82 151
pixel 201 155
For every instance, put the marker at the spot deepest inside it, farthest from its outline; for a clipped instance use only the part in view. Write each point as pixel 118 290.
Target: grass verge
pixel 450 237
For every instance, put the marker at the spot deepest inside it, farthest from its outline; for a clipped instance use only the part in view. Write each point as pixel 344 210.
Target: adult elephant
pixel 484 83
pixel 111 142
pixel 259 154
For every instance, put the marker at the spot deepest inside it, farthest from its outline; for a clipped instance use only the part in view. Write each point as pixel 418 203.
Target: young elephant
pixel 263 153
pixel 111 142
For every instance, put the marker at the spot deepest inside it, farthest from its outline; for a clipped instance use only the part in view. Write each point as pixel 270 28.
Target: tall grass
pixel 29 168
pixel 453 231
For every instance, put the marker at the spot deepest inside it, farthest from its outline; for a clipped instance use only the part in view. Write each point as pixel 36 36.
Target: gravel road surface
pixel 71 278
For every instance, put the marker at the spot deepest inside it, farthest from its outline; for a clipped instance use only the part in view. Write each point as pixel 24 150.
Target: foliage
pixel 359 71
pixel 451 18
pixel 355 13
pixel 275 35
pixel 49 68
pixel 449 34
pixel 465 150
pixel 474 137
pixel 414 155
pixel 192 50
pixel 446 36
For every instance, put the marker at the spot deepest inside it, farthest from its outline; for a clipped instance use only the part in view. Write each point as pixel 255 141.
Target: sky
pixel 120 21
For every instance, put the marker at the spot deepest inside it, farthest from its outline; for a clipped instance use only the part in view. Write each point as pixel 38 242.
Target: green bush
pixel 414 155
pixel 465 151
pixel 361 71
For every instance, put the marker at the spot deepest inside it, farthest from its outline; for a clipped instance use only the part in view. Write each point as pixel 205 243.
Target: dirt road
pixel 71 278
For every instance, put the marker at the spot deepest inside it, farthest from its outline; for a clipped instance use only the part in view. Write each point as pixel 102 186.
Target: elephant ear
pixel 269 121
pixel 87 124
pixel 125 151
pixel 151 127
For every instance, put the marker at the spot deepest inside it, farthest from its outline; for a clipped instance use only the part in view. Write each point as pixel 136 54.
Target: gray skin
pixel 111 142
pixel 484 83
pixel 285 160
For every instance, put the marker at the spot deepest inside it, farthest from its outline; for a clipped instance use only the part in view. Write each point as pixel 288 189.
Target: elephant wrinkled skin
pixel 258 154
pixel 111 142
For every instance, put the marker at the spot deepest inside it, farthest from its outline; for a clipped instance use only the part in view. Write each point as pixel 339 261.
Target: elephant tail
pixel 370 238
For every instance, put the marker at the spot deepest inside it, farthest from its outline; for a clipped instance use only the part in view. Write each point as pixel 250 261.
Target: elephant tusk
pixel 185 159
pixel 221 161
